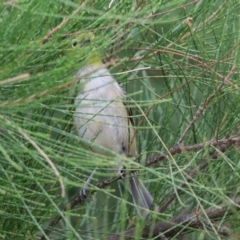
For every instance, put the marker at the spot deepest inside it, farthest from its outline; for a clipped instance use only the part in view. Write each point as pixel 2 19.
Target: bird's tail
pixel 141 196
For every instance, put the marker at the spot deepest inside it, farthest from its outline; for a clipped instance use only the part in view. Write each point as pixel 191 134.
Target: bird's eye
pixel 74 43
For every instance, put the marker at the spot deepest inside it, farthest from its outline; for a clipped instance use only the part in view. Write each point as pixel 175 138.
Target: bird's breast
pixel 100 114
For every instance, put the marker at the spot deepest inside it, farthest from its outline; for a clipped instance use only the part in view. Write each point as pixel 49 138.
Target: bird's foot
pixel 83 194
pixel 122 172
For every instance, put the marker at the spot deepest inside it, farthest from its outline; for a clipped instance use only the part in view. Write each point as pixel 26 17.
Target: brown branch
pixel 121 39
pixel 222 144
pixel 163 97
pixel 207 67
pixel 208 20
pixel 179 149
pixel 183 223
pixel 78 201
pixel 222 148
pixel 199 112
pixel 204 106
pixel 200 62
pixel 59 26
pixel 19 78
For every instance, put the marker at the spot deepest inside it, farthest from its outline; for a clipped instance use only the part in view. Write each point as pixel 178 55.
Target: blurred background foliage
pixel 170 56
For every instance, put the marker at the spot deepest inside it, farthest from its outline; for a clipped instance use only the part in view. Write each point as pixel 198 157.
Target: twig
pixel 41 152
pixel 183 223
pixel 122 38
pixel 178 149
pixel 207 67
pixel 9 3
pixel 211 18
pixel 64 21
pixel 199 112
pixel 204 106
pixel 110 4
pixel 46 92
pixel 78 201
pixel 201 25
pixel 160 98
pixel 47 159
pixel 20 77
pixel 168 11
pixel 190 176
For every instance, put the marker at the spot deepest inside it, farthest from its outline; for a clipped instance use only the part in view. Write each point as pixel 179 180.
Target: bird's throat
pixel 93 59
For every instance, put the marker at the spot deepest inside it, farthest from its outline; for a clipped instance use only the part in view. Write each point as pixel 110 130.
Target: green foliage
pixel 170 56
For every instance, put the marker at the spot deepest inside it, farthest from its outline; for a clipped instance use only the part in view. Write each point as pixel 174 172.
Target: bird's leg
pixel 84 191
pixel 122 172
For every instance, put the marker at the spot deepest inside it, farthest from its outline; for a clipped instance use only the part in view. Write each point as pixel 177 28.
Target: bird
pixel 101 117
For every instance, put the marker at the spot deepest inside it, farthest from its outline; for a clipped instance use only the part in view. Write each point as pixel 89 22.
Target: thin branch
pixel 211 18
pixel 47 91
pixel 204 106
pixel 164 96
pixel 78 201
pixel 59 26
pixel 67 84
pixel 184 223
pixel 41 152
pixel 18 78
pixel 168 11
pixel 225 142
pixel 192 173
pixel 200 62
pixel 179 149
pixel 207 67
pixel 48 160
pixel 10 3
pixel 199 112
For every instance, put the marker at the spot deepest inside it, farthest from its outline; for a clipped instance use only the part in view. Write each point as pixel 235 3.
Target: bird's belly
pixel 103 123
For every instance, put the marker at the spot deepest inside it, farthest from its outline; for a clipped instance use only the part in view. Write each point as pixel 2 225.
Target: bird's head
pixel 82 46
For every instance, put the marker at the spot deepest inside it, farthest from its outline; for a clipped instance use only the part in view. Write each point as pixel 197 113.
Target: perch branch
pixel 184 223
pixel 222 144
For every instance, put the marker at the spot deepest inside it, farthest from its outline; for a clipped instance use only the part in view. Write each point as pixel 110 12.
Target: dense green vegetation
pixel 178 61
